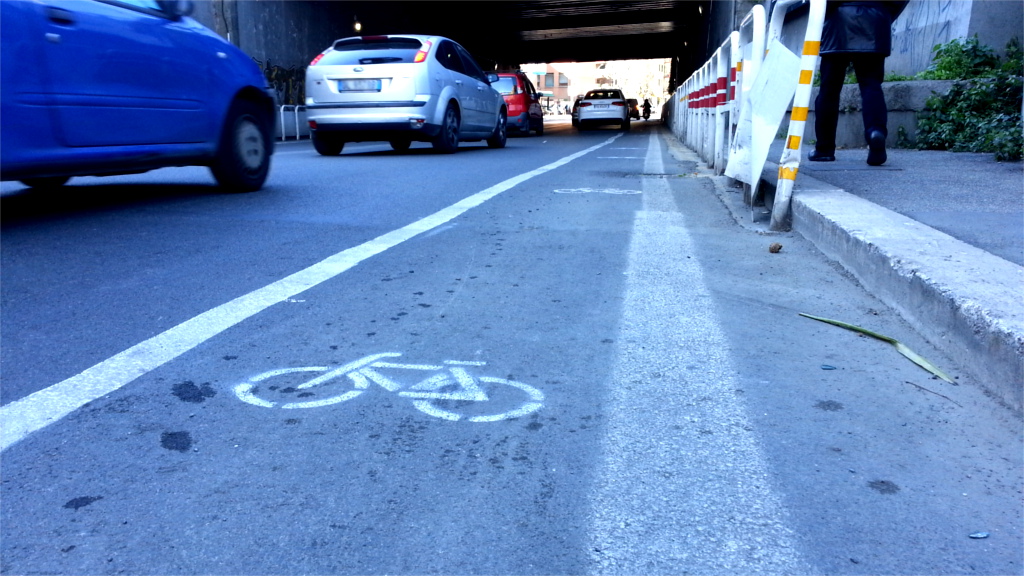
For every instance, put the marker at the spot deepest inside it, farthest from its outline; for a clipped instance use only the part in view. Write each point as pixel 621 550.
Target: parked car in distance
pixel 97 88
pixel 401 88
pixel 634 108
pixel 602 107
pixel 523 101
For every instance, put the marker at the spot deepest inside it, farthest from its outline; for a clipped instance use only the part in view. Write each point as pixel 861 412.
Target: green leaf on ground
pixel 900 347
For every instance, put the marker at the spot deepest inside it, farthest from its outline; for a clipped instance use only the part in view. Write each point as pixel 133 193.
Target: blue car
pixel 104 87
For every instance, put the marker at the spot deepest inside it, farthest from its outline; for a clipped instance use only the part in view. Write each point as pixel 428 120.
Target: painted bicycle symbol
pixel 449 392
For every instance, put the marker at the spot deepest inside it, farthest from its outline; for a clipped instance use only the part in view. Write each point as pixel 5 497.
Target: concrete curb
pixel 966 301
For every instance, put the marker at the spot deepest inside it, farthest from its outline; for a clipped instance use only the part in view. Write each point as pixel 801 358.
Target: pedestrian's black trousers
pixel 870 69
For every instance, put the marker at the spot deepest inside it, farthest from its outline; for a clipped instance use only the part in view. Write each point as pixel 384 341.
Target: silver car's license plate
pixel 600 106
pixel 359 85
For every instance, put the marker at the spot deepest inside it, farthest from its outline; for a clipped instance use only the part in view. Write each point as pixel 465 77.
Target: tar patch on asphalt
pixel 81 502
pixel 178 441
pixel 187 391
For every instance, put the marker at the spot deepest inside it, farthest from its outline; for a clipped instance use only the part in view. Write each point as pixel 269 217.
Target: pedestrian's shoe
pixel 876 148
pixel 816 156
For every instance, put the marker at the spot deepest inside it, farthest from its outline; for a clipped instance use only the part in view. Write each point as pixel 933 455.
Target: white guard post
pixel 789 164
pixel 726 73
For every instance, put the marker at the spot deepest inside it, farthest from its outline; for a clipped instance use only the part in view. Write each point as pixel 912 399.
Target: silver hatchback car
pixel 604 106
pixel 401 89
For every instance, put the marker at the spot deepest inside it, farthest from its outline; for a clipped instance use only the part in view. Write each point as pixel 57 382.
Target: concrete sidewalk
pixel 938 236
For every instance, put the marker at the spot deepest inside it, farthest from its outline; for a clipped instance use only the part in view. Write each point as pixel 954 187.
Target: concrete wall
pixel 282 36
pixel 285 32
pixel 926 23
pixel 903 99
pixel 996 22
pixel 721 19
pixel 923 25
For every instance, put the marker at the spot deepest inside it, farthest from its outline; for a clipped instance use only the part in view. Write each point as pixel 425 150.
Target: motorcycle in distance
pixel 647 109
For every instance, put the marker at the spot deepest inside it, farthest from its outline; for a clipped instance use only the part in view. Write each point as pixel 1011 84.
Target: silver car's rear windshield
pixel 603 95
pixel 354 51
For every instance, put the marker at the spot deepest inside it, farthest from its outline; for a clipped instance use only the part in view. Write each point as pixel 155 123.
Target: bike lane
pixel 176 473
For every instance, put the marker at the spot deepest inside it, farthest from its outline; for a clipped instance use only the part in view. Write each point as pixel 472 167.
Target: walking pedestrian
pixel 860 33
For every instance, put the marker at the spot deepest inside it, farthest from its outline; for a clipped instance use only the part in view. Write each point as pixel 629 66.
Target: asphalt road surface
pixel 563 357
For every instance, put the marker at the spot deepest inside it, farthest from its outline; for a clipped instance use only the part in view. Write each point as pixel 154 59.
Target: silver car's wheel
pixel 327 145
pixel 447 141
pixel 500 134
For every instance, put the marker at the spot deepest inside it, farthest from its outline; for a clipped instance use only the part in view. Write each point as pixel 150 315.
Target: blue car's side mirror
pixel 177 8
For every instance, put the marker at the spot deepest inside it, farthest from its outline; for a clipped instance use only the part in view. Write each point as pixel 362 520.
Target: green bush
pixel 961 59
pixel 981 112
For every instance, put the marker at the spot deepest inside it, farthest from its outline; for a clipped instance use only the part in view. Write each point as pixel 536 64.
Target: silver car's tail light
pixel 416 123
pixel 421 56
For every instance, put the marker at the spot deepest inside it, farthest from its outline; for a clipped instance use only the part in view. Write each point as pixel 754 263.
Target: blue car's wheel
pixel 46 183
pixel 243 159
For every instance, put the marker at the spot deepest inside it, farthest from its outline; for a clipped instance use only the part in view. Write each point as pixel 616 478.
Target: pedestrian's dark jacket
pixel 859 26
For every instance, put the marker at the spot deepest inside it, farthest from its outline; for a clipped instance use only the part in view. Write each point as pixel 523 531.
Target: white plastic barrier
pixel 752 46
pixel 770 97
pixel 718 125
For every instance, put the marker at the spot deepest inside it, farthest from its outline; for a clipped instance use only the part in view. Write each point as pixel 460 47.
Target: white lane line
pixel 682 485
pixel 27 415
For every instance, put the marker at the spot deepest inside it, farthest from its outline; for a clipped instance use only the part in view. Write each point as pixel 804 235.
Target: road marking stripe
pixel 39 409
pixel 680 483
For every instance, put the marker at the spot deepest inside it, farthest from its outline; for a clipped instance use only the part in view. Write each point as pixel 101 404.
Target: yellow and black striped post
pixel 789 164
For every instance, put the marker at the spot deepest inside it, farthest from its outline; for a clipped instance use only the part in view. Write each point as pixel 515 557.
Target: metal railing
pixel 707 106
pixel 295 112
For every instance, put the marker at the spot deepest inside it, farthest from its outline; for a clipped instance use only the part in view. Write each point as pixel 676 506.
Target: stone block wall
pixel 905 100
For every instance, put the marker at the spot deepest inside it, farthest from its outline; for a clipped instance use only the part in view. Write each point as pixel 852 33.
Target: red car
pixel 523 102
